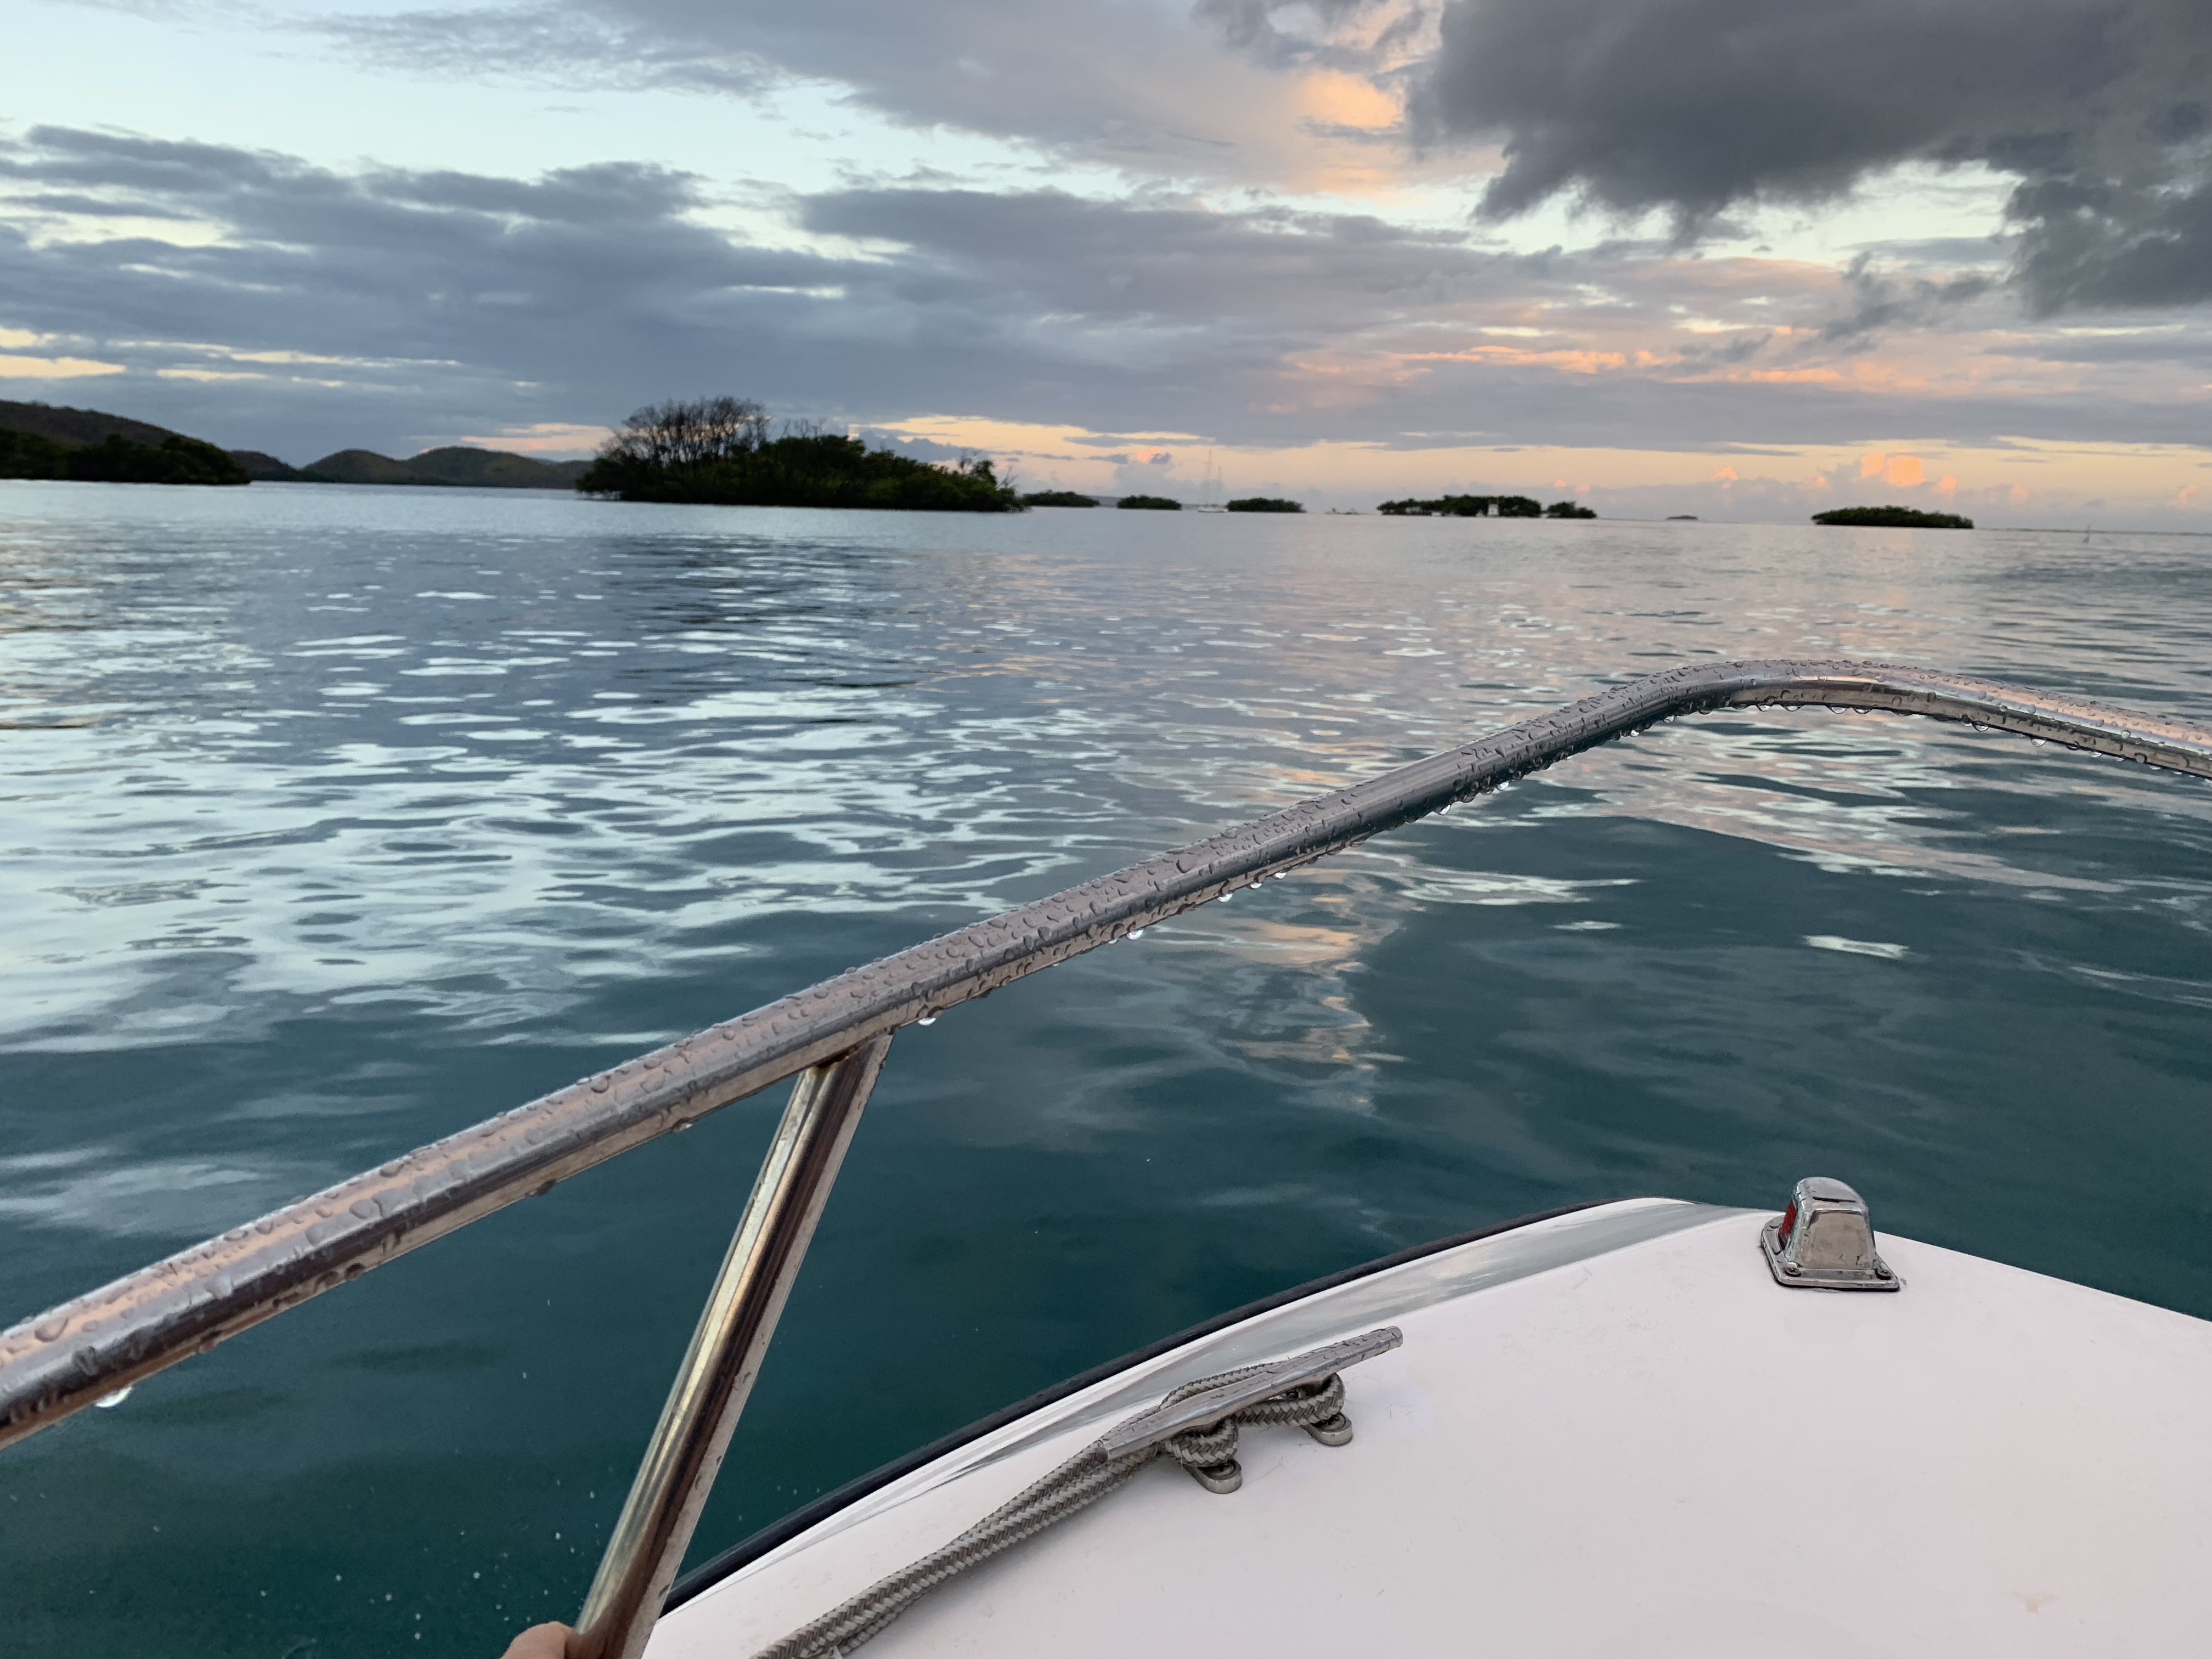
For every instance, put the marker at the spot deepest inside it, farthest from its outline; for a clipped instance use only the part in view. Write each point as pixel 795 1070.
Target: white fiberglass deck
pixel 1609 1433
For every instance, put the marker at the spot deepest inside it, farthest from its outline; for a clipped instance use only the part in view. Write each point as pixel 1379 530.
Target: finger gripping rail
pixel 58 1362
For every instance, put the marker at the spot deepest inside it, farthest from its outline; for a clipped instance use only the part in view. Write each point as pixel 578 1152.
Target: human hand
pixel 540 1642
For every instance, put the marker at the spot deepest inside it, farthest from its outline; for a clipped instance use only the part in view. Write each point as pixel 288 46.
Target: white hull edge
pixel 1607 1432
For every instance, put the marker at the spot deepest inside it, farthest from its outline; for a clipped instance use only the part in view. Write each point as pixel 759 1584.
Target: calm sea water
pixel 337 819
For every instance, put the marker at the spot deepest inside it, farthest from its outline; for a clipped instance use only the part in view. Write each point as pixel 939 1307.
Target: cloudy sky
pixel 1744 257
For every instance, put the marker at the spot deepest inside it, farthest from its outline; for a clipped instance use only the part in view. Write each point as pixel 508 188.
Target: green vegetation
pixel 70 428
pixel 722 451
pixel 28 455
pixel 174 460
pixel 1569 510
pixel 40 441
pixel 1465 507
pixel 1894 517
pixel 1057 498
pixel 1150 503
pixel 259 466
pixel 1262 504
pixel 456 465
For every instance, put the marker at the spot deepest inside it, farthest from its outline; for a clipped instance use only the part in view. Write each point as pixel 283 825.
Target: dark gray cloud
pixel 1298 278
pixel 592 44
pixel 2102 109
pixel 1882 302
pixel 1301 33
pixel 384 303
pixel 1117 81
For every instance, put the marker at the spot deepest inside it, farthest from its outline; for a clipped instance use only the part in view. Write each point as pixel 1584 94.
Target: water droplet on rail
pixel 1225 898
pixel 1136 933
pixel 926 1019
pixel 108 1402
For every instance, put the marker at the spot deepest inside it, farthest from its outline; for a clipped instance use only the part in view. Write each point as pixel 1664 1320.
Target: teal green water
pixel 337 819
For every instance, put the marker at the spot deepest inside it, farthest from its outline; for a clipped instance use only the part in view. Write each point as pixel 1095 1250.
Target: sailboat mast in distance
pixel 1209 488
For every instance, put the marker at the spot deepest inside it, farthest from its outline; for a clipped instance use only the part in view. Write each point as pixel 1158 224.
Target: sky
pixel 1743 258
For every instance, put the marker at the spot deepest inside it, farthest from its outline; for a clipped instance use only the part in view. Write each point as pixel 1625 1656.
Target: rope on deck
pixel 1208 1451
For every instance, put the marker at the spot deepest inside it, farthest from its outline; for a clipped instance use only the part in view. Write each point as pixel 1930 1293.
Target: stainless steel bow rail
pixel 833 1037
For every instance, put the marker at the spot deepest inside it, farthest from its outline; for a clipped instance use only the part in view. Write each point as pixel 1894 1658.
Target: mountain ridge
pixel 452 466
pixel 46 436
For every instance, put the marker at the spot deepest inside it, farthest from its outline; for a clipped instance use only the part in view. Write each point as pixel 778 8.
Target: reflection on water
pixel 340 818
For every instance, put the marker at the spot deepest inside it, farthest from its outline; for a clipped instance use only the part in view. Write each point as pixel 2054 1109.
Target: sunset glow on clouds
pixel 1339 253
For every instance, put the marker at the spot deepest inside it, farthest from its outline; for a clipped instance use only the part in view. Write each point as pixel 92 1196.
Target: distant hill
pixel 71 427
pixel 38 440
pixel 259 466
pixel 456 465
pixel 41 440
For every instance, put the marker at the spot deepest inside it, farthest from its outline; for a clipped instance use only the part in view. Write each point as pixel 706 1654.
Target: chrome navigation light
pixel 1824 1242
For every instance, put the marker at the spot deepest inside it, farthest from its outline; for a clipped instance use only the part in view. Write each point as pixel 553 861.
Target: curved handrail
pixel 57 1362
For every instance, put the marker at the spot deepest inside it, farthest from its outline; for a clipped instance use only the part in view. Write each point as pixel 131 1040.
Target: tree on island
pixel 1150 503
pixel 1057 498
pixel 726 452
pixel 1894 517
pixel 1262 504
pixel 1569 510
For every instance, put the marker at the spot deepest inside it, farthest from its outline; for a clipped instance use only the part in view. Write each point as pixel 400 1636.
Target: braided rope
pixel 1210 1453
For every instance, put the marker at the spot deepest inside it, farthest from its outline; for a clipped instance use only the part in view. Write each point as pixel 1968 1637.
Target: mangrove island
pixel 1901 518
pixel 1483 506
pixel 725 452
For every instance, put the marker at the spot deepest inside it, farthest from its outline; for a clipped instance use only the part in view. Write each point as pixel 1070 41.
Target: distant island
pixel 725 452
pixel 1262 504
pixel 1910 517
pixel 1150 504
pixel 455 466
pixel 38 440
pixel 41 440
pixel 1483 506
pixel 1057 498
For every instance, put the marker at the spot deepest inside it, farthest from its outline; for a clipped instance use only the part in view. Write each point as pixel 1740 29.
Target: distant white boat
pixel 1209 488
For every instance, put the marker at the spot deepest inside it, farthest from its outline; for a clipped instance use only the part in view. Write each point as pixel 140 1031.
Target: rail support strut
pixel 647 1548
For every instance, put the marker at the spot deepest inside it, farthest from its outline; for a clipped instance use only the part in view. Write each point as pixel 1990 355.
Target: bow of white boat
pixel 1614 1431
